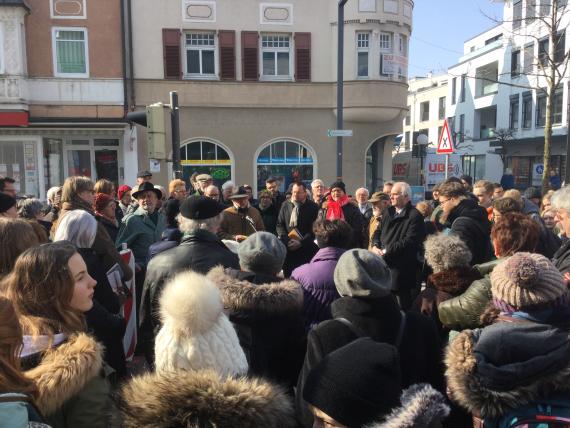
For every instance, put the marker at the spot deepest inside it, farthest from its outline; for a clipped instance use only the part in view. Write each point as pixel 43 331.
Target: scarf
pixel 294 220
pixel 77 203
pixel 334 208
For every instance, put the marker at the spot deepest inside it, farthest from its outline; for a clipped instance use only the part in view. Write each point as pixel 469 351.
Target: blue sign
pixel 418 194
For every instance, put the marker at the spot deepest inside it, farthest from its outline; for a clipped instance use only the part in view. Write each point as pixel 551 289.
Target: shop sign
pixel 435 168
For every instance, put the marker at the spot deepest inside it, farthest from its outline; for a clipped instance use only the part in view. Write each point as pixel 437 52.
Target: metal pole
pixel 175 121
pixel 446 166
pixel 567 172
pixel 339 87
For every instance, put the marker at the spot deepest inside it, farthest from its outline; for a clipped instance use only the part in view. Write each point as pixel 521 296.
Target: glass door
pixel 107 164
pixel 79 162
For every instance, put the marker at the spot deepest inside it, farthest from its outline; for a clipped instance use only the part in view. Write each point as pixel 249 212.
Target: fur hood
pixel 65 370
pixel 453 281
pixel 203 398
pixel 270 298
pixel 421 406
pixel 507 365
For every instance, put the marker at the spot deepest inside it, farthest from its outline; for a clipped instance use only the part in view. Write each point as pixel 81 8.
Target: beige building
pixel 257 85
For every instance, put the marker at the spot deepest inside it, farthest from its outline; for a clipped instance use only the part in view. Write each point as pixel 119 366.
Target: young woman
pixel 51 289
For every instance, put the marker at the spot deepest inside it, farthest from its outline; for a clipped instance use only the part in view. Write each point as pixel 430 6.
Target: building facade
pixel 62 93
pixel 257 85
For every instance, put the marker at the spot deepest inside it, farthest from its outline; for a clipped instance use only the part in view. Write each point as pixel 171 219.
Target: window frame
pixel 85 32
pixel 526 98
pixel 514 100
pixel 385 51
pixel 463 87
pixel 517 14
pixel 453 91
pixel 441 108
pixel 275 51
pixel 200 76
pixel 423 111
pixel 362 49
pixel 516 66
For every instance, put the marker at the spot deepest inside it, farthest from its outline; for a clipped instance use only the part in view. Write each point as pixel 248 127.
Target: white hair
pixel 405 188
pixel 561 199
pixel 187 225
pixel 317 181
pixel 30 208
pixel 51 193
pixel 227 185
pixel 78 227
pixel 363 189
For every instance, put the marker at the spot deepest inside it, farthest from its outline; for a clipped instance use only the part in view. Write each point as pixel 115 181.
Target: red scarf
pixel 334 208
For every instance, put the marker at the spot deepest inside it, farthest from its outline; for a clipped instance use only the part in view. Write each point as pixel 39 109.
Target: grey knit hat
pixel 527 280
pixel 361 273
pixel 262 252
pixel 444 252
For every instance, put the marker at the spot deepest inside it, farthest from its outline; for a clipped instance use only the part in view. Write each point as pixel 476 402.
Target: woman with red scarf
pixel 339 207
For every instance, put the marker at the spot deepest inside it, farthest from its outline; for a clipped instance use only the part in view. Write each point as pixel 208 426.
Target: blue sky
pixel 441 26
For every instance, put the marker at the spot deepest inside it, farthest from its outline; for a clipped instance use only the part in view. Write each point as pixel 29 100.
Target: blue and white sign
pixel 537 171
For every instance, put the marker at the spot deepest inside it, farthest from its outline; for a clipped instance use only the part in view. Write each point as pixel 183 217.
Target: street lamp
pixel 422 141
pixel 339 87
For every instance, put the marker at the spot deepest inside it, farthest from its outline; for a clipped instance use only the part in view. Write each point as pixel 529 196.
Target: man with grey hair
pixel 200 250
pixel 227 191
pixel 398 240
pixel 318 191
pixel 365 207
pixel 561 203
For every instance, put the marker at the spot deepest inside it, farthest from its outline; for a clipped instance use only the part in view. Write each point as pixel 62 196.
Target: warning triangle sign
pixel 445 142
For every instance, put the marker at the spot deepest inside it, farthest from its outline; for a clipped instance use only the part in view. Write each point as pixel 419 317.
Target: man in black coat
pixel 272 185
pixel 398 240
pixel 465 218
pixel 200 250
pixel 295 228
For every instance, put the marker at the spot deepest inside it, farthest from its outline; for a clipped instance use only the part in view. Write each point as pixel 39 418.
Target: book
pixel 295 234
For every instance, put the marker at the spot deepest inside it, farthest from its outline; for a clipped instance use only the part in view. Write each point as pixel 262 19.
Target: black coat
pixel 420 349
pixel 200 251
pixel 357 222
pixel 561 258
pixel 402 236
pixel 269 216
pixel 112 230
pixel 470 222
pixel 308 213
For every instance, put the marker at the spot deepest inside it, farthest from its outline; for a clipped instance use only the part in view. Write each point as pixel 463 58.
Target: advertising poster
pixel 435 168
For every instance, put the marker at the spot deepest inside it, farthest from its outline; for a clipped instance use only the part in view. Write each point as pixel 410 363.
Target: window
pixel 276 55
pixel 408 114
pixel 362 47
pixel 70 52
pixel 386 42
pixel 201 55
pixel 408 145
pixel 530 13
pixel 462 90
pixel 453 90
pixel 441 109
pixel 461 128
pixel 543 52
pixel 557 107
pixel 424 111
pixel 517 14
pixel 2 66
pixel 391 6
pixel 540 109
pixel 514 112
pixel 385 49
pixel 527 110
pixel 545 7
pixel 206 157
pixel 515 63
pixel 528 59
pixel 560 47
pixel 474 165
pixel 403 45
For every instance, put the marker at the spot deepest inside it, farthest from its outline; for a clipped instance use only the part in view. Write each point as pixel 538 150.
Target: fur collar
pixel 421 406
pixel 453 281
pixel 203 398
pixel 481 400
pixel 65 370
pixel 274 298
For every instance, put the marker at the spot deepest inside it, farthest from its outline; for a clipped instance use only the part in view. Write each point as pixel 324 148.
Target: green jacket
pixel 463 312
pixel 140 232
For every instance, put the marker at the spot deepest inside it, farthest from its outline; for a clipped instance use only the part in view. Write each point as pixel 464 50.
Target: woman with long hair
pixel 51 289
pixel 17 236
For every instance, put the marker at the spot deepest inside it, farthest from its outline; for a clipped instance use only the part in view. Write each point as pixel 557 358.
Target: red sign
pixel 14 118
pixel 445 143
pixel 400 169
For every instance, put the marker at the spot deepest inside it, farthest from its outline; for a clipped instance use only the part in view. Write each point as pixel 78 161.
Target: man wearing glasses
pixel 398 240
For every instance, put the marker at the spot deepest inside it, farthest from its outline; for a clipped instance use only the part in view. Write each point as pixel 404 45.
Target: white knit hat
pixel 196 334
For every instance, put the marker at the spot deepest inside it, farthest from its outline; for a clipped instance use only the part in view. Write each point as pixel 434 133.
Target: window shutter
pixel 303 57
pixel 171 52
pixel 227 40
pixel 250 55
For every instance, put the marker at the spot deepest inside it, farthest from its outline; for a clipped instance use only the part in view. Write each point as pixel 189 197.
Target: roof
pixel 21 3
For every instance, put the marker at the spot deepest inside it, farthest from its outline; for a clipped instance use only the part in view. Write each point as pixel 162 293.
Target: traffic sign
pixel 445 142
pixel 339 133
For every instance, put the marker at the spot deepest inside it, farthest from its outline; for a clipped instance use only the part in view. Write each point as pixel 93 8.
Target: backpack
pixel 547 413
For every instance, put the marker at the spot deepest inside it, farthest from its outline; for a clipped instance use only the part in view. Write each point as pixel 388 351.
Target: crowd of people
pixel 310 306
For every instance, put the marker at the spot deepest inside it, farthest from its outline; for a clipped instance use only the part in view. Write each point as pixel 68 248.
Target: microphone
pixel 251 222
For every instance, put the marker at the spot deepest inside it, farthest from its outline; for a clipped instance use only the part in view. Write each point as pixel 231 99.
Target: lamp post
pixel 339 87
pixel 422 141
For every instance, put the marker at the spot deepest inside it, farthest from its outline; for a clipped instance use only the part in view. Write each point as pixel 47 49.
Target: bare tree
pixel 503 135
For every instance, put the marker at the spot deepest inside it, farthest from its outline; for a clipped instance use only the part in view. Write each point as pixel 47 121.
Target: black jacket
pixel 200 251
pixel 308 213
pixel 380 319
pixel 470 222
pixel 269 216
pixel 561 258
pixel 402 236
pixel 357 222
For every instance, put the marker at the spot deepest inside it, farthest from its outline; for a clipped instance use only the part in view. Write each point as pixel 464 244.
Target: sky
pixel 441 26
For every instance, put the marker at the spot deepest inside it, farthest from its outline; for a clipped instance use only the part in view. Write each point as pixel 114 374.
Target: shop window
pixel 286 160
pixel 18 159
pixel 206 157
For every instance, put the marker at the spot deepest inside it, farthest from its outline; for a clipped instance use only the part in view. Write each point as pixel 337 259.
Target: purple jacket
pixel 317 281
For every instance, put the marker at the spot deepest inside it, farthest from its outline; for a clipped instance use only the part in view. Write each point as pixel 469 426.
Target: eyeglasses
pixel 444 202
pixel 396 194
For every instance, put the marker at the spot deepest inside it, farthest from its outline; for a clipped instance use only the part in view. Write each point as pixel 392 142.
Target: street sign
pixel 331 133
pixel 445 143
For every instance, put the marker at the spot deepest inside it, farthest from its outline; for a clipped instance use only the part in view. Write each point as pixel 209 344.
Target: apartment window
pixel 515 63
pixel 385 49
pixel 487 79
pixel 424 111
pixel 560 47
pixel 528 58
pixel 362 53
pixel 441 109
pixel 391 6
pixel 276 56
pixel 527 110
pixel 543 52
pixel 453 90
pixel 386 42
pixel 70 52
pixel 545 7
pixel 556 109
pixel 514 112
pixel 462 89
pixel 517 14
pixel 403 45
pixel 461 128
pixel 530 13
pixel 540 109
pixel 200 54
pixel 408 116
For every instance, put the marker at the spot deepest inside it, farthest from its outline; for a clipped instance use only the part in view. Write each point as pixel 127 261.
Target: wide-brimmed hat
pixel 379 196
pixel 204 177
pixel 241 193
pixel 145 187
pixel 200 208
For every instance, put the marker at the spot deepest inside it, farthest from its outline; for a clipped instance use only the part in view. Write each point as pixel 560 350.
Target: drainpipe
pixel 340 87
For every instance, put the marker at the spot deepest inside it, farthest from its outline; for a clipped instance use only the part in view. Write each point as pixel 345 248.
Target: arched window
pixel 286 160
pixel 206 157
